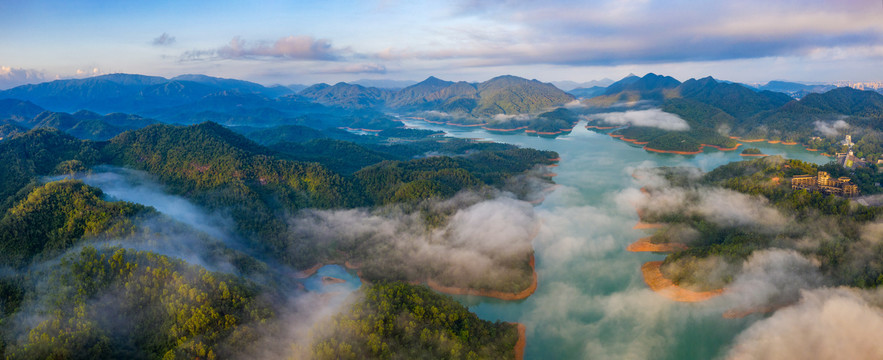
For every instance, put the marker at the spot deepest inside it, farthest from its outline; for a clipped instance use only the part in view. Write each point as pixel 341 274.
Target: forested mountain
pixel 735 99
pixel 632 89
pixel 18 110
pixel 119 303
pixel 421 325
pixel 843 255
pixel 9 128
pixel 514 95
pixel 56 216
pixel 346 95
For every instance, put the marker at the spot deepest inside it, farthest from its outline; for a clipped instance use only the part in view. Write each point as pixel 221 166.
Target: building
pixel 823 182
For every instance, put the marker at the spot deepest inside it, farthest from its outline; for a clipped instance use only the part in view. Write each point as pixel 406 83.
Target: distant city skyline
pixel 305 42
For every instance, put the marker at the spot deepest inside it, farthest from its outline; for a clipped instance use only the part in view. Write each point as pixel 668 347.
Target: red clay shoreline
pixel 522 341
pixel 644 245
pixel 661 285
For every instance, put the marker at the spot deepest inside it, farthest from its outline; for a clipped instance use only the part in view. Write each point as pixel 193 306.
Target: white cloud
pixel 12 77
pixel 650 118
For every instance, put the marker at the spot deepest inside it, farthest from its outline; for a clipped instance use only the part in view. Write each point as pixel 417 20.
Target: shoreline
pixel 647 226
pixel 522 341
pixel 644 245
pixel 758 155
pixel 661 285
pixel 674 151
pixel 502 295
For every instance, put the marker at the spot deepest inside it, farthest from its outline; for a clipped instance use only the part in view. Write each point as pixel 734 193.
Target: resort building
pixel 823 182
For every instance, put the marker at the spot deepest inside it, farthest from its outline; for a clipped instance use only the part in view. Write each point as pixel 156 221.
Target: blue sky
pixel 342 40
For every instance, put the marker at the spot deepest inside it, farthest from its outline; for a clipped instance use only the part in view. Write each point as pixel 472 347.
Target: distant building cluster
pixel 871 85
pixel 823 182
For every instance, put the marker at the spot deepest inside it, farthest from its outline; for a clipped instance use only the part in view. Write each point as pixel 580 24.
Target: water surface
pixel 591 301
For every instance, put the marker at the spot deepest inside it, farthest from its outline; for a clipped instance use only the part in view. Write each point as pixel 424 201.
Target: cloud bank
pixel 285 48
pixel 649 118
pixel 825 324
pixel 11 77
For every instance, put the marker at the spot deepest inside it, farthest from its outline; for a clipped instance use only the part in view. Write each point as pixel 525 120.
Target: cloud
pixel 12 77
pixel 164 40
pixel 372 68
pixel 831 128
pixel 643 32
pixel 825 324
pixel 516 117
pixel 650 118
pixel 483 242
pixel 285 48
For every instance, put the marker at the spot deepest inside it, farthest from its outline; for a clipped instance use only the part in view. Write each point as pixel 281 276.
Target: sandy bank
pixel 504 130
pixel 722 148
pixel 808 149
pixel 673 151
pixel 303 274
pixel 740 313
pixel 789 143
pixel 760 155
pixel 665 287
pixel 749 140
pixel 490 293
pixel 328 280
pixel 646 226
pixel 600 127
pixel 522 341
pixel 555 159
pixel 644 245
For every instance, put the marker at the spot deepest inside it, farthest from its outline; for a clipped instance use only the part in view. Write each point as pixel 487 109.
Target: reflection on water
pixel 592 301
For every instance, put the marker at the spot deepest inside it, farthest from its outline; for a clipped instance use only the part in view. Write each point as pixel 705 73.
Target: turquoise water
pixel 591 301
pixel 350 284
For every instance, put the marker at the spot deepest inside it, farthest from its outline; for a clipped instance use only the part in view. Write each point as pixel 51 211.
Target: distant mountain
pixel 131 93
pixel 236 85
pixel 384 84
pixel 89 125
pixel 346 95
pixel 795 90
pixel 649 83
pixel 587 92
pixel 571 85
pixel 18 110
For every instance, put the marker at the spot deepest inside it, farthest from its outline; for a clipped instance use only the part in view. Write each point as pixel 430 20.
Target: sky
pixel 306 42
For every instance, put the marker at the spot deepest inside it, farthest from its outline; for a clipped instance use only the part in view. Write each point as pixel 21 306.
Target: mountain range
pixel 185 97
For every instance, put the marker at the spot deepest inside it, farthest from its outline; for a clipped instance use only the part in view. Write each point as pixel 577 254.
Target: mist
pixel 831 128
pixel 829 323
pixel 648 118
pixel 484 241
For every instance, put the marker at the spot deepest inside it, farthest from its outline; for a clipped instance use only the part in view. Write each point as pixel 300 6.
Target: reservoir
pixel 591 301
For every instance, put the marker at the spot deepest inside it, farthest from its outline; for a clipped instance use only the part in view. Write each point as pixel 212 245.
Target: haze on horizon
pixel 286 42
